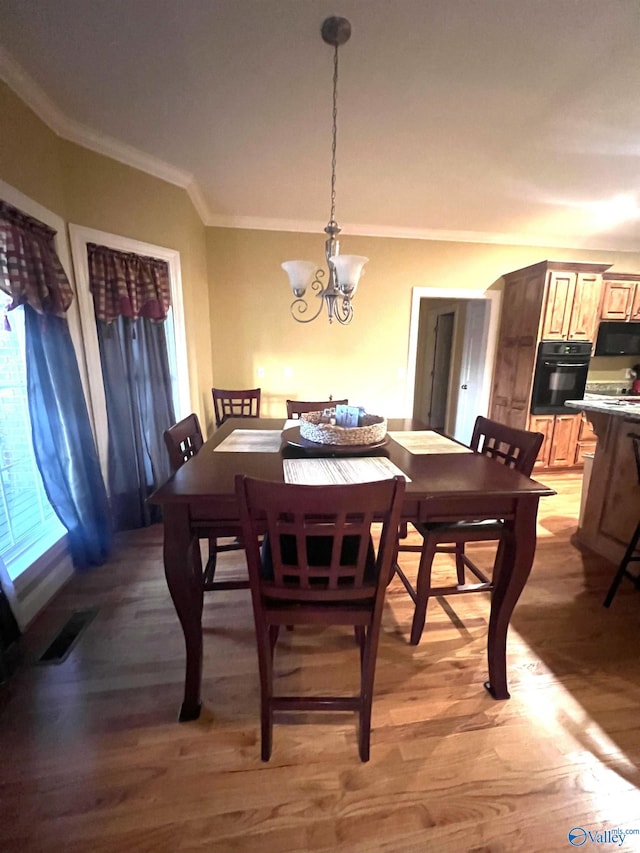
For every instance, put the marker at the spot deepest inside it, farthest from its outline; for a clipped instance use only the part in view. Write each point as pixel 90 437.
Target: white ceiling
pixel 458 119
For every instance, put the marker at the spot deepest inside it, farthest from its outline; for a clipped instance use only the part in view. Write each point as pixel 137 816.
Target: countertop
pixel 627 407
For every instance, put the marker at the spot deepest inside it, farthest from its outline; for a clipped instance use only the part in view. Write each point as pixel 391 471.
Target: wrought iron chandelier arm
pixel 300 306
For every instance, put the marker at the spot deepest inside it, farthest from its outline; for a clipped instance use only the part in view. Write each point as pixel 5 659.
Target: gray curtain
pixel 137 382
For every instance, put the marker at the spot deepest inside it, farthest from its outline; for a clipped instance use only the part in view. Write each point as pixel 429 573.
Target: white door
pixel 470 390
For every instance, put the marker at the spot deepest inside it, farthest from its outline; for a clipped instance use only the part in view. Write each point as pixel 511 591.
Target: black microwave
pixel 618 339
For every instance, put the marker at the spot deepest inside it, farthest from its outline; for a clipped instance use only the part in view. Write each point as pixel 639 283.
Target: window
pixel 28 524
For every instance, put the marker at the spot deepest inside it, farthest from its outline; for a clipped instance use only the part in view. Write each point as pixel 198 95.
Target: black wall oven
pixel 560 374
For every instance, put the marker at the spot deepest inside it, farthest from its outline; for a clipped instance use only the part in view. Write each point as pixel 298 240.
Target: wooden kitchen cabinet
pixel 552 300
pixel 564 441
pixel 517 343
pixel 635 308
pixel 557 310
pixel 621 297
pixel 561 447
pixel 543 424
pixel 583 325
pixel 572 306
pixel 586 442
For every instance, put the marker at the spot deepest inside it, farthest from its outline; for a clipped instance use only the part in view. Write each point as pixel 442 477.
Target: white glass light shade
pixel 348 271
pixel 300 274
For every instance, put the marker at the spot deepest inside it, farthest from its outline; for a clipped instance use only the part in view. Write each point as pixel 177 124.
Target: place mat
pixel 428 441
pixel 290 423
pixel 328 472
pixel 251 441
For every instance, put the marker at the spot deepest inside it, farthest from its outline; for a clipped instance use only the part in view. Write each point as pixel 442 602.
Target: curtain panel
pixel 63 443
pixel 128 285
pixel 31 265
pixel 131 297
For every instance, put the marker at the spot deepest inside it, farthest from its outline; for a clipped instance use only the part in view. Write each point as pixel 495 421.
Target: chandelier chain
pixel 332 218
pixel 336 292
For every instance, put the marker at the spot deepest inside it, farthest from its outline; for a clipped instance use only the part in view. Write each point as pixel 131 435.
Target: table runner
pixel 428 441
pixel 251 441
pixel 326 472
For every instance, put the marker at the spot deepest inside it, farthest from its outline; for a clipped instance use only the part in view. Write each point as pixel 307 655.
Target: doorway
pixel 465 357
pixel 435 357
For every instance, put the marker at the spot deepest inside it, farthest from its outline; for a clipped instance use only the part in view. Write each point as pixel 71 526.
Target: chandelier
pixel 344 270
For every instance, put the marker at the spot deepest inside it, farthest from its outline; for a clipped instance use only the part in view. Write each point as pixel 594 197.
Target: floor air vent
pixel 68 636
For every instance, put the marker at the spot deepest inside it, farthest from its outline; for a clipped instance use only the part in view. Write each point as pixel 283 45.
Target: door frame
pixel 494 298
pixel 79 237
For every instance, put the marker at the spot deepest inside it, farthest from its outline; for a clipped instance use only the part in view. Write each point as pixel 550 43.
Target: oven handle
pixel 565 364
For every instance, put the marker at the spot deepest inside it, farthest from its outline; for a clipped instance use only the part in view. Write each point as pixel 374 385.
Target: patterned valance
pixel 127 285
pixel 30 271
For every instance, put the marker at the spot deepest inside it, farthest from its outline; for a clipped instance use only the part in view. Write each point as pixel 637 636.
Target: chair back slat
pixel 243 403
pixel 343 539
pixel 318 538
pixel 295 408
pixel 515 448
pixel 183 440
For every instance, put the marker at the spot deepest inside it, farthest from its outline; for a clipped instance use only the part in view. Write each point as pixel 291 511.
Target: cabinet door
pixel 564 441
pixel 525 358
pixel 557 311
pixel 635 310
pixel 586 307
pixel 501 412
pixel 503 379
pixel 543 424
pixel 586 432
pixel 618 300
pixel 583 447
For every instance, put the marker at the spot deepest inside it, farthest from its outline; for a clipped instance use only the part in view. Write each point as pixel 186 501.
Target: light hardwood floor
pixel 94 760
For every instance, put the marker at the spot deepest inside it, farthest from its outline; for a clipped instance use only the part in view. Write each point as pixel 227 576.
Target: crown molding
pixel 26 88
pixel 556 241
pixel 36 98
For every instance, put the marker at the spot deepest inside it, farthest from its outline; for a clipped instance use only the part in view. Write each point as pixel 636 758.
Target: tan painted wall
pixel 97 192
pixel 253 330
pixel 30 154
pixel 239 330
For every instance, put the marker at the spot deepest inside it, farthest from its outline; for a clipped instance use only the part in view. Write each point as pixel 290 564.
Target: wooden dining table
pixel 446 481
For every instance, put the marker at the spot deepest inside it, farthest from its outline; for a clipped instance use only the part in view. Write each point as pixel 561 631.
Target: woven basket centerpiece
pixel 313 428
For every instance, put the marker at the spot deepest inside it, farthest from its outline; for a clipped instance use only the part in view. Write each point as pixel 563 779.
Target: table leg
pixel 183 571
pixel 513 566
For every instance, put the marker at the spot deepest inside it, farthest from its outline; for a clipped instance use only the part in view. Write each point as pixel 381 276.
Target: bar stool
pixel 244 403
pixel 295 408
pixel 629 555
pixel 183 440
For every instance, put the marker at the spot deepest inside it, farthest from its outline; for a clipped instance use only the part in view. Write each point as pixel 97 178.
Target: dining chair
pixel 516 448
pixel 295 408
pixel 235 404
pixel 318 566
pixel 183 440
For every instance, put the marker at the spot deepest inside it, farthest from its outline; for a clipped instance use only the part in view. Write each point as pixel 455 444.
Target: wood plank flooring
pixel 93 759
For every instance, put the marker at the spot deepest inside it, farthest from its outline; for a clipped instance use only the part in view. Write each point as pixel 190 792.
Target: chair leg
pixel 368 671
pixel 210 568
pixel 422 589
pixel 622 569
pixel 459 552
pixel 265 637
pixel 361 638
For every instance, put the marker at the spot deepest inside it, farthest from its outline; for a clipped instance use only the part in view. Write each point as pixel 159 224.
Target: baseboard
pixel 41 582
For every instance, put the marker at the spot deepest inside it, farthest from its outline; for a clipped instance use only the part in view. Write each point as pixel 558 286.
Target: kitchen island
pixel 612 507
